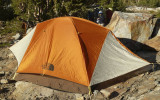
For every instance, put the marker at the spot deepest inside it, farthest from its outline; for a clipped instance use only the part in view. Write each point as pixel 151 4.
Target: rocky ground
pixel 145 86
pixel 7 69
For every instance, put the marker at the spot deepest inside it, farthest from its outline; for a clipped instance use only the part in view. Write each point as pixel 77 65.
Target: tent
pixel 72 54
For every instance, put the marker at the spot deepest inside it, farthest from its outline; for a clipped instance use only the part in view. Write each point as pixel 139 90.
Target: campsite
pixel 80 50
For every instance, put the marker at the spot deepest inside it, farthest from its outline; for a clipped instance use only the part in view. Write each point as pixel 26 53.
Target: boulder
pixel 98 96
pixel 158 57
pixel 156 31
pixel 154 43
pixel 4 81
pixel 105 93
pixel 135 26
pixel 29 30
pixel 2 73
pixel 17 36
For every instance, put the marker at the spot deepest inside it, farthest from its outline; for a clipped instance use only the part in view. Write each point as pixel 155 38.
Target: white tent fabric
pixel 20 48
pixel 114 60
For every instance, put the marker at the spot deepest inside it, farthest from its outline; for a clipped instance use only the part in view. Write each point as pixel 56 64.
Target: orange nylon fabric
pixel 93 36
pixel 72 45
pixel 56 42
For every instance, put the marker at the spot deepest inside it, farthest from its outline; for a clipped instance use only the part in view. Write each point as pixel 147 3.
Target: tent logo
pixel 48 66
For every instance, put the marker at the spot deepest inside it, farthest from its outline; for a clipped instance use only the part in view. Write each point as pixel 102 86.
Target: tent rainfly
pixel 72 54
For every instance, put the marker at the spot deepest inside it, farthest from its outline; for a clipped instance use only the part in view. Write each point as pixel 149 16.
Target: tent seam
pixel 98 58
pixel 81 50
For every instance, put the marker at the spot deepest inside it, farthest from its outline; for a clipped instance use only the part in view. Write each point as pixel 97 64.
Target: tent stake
pixel 90 91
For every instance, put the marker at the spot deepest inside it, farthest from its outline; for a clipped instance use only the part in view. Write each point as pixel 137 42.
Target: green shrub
pixel 13 26
pixel 4 44
pixel 158 15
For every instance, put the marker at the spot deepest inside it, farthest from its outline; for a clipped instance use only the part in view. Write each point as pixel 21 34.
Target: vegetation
pixel 16 12
pixel 13 26
pixel 6 10
pixel 4 44
pixel 121 4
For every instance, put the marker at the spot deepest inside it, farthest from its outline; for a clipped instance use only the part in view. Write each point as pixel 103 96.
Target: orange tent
pixel 72 51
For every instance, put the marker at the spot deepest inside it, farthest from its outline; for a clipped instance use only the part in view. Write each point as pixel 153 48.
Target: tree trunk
pixel 47 1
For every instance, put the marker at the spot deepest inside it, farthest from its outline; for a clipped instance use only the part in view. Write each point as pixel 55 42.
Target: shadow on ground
pixel 142 50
